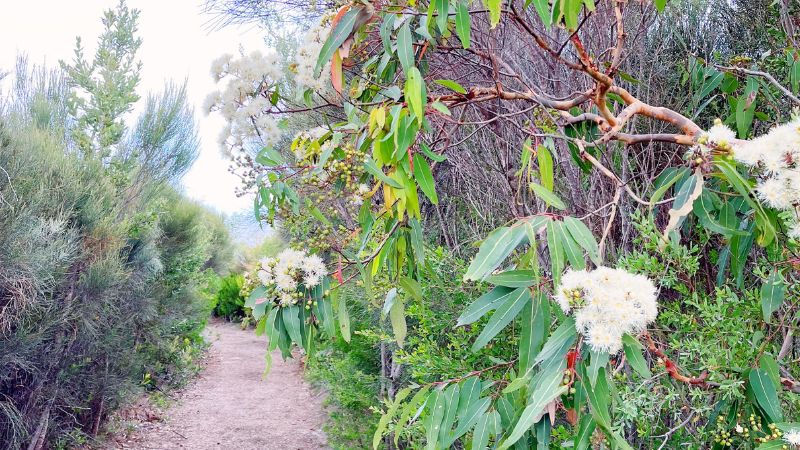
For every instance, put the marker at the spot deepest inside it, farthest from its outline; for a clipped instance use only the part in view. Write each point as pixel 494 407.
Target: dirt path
pixel 231 406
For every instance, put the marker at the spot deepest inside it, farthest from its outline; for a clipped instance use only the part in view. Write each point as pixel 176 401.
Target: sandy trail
pixel 231 406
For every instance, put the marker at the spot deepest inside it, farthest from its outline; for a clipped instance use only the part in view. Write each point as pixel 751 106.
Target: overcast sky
pixel 177 44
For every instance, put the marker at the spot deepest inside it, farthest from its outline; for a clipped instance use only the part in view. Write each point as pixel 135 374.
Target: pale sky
pixel 177 44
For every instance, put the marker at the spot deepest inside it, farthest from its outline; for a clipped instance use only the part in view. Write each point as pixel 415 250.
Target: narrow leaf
pixel 505 313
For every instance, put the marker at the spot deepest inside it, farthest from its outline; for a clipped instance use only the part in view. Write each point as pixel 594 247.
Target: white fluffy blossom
pixel 244 98
pixel 220 66
pixel 306 60
pixel 290 272
pixel 720 133
pixel 265 276
pixel 794 231
pixel 792 437
pixel 775 193
pixel 311 280
pixel 285 282
pixel 313 264
pixel 776 158
pixel 607 303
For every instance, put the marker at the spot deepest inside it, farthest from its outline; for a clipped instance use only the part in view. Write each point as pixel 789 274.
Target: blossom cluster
pixel 302 146
pixel 607 303
pixel 777 157
pixel 792 437
pixel 244 100
pixel 288 272
pixel 306 59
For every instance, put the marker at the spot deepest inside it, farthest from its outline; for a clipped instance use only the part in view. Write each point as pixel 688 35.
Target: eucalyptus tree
pixel 537 95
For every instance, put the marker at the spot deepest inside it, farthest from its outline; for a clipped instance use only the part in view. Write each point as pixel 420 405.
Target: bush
pixel 229 301
pixel 97 302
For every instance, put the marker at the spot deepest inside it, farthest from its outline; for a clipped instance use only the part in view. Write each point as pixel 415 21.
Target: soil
pixel 232 406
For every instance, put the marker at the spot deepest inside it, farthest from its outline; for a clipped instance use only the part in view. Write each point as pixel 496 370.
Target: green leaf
pixel 343 315
pixel 633 352
pixel 470 392
pixel 584 237
pixel 571 10
pixel 397 316
pixel 445 430
pixel 545 160
pixel 660 4
pixel 571 248
pixel 270 157
pixel 556 249
pixel 586 429
pixel 383 423
pixel 470 418
pixel 410 408
pixel 442 108
pixel 415 93
pixel 317 213
pixel 257 293
pixel 429 153
pixel 417 241
pixel 745 113
pixel 543 9
pixel 765 394
pixel 452 85
pixel 480 436
pixel 424 177
pixel 494 250
pixel 326 311
pixel 373 169
pixel 392 92
pixel 665 180
pixel 337 37
pixel 386 31
pixel 485 303
pixel 599 396
pixel 563 337
pixel 504 314
pixel 763 221
pixel 494 11
pixel 388 302
pixel 513 278
pixel 705 210
pixel 713 78
pixel 271 328
pixel 516 384
pixel 442 17
pixel 773 292
pixel 547 196
pixel 463 24
pixel 405 49
pixel 598 360
pixel 534 324
pixel 548 391
pixel 628 77
pixel 769 365
pixel 291 319
pixel 411 287
pixel 775 444
pixel 436 402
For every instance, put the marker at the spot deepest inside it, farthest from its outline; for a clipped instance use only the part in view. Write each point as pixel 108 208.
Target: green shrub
pixel 229 301
pixel 101 295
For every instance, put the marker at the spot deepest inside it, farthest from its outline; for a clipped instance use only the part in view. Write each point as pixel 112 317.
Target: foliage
pixel 102 294
pixel 603 190
pixel 107 85
pixel 228 301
